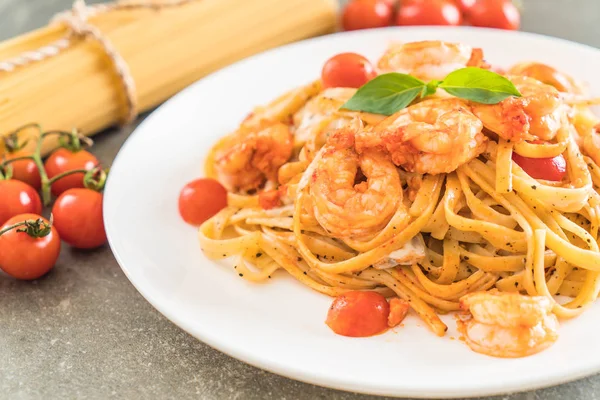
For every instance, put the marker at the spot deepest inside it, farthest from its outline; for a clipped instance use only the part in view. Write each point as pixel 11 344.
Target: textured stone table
pixel 84 331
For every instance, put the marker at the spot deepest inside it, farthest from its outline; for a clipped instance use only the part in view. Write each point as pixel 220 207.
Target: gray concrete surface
pixel 84 332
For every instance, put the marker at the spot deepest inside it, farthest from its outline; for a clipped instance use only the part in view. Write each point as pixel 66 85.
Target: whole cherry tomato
pixel 63 160
pixel 428 12
pixel 25 170
pixel 550 169
pixel 78 218
pixel 465 5
pixel 24 256
pixel 201 199
pixel 347 70
pixel 365 14
pixel 358 314
pixel 501 14
pixel 16 198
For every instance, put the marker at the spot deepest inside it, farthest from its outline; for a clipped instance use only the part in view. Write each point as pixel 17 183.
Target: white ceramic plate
pixel 279 326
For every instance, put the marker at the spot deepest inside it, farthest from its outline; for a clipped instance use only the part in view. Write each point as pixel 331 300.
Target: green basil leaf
pixel 386 94
pixel 479 85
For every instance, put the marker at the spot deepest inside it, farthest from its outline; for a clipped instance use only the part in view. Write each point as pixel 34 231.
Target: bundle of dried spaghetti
pixel 100 65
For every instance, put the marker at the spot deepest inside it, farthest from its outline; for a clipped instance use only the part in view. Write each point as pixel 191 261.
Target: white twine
pixel 76 20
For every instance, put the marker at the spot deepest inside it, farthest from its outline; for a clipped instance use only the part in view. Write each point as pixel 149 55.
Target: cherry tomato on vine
pixel 550 169
pixel 428 12
pixel 78 218
pixel 25 257
pixel 201 199
pixel 16 198
pixel 501 14
pixel 347 70
pixel 25 170
pixel 63 160
pixel 365 14
pixel 358 314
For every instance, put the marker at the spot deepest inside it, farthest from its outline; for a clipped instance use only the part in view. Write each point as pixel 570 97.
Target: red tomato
pixel 78 218
pixel 398 310
pixel 25 170
pixel 201 199
pixel 347 70
pixel 358 314
pixel 16 198
pixel 500 14
pixel 364 14
pixel 428 12
pixel 465 5
pixel 550 169
pixel 63 160
pixel 26 257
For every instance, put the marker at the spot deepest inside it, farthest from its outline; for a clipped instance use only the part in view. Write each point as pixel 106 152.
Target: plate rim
pixel 283 369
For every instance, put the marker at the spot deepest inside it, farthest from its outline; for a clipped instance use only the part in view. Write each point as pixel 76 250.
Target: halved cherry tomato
pixel 25 257
pixel 550 169
pixel 501 14
pixel 201 199
pixel 398 310
pixel 365 14
pixel 63 160
pixel 25 170
pixel 16 198
pixel 78 218
pixel 347 70
pixel 428 12
pixel 358 314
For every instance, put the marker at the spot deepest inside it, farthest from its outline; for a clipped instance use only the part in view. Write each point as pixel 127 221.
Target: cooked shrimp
pixel 263 142
pixel 252 155
pixel 548 75
pixel 508 324
pixel 535 115
pixel 322 115
pixel 431 137
pixel 429 59
pixel 506 309
pixel 348 209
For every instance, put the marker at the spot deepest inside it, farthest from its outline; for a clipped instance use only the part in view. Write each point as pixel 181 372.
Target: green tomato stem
pixel 11 160
pixel 13 226
pixel 37 159
pixel 66 173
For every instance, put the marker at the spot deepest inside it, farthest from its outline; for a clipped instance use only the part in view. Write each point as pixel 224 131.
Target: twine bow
pixel 77 20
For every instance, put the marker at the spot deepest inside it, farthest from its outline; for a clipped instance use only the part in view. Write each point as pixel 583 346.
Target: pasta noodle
pixel 486 223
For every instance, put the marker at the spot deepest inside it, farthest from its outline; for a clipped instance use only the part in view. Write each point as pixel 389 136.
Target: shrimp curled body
pixel 348 209
pixel 508 324
pixel 535 115
pixel 434 136
pixel 253 155
pixel 429 60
